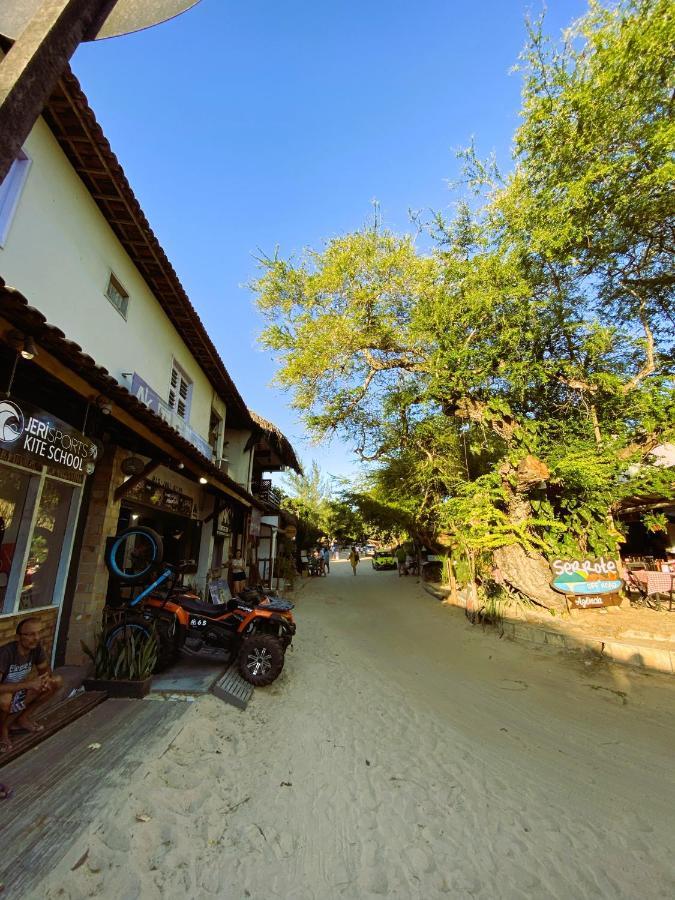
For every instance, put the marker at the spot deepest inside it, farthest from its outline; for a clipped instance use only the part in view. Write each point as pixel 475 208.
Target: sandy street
pixel 402 754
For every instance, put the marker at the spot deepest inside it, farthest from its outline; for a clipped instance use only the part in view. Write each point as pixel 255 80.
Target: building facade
pixel 115 407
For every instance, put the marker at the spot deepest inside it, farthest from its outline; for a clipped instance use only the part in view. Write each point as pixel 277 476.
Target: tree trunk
pixel 526 571
pixel 529 573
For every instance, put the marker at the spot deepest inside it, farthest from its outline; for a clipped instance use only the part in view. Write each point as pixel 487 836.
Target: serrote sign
pixel 586 577
pixel 39 436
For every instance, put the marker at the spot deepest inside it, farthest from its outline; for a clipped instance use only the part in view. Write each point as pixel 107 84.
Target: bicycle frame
pixel 166 574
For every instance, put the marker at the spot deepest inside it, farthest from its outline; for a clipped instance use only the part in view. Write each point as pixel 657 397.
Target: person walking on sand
pixel 326 560
pixel 354 559
pixel 401 561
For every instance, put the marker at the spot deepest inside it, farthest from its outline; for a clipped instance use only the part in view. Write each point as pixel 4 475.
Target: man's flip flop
pixel 5 792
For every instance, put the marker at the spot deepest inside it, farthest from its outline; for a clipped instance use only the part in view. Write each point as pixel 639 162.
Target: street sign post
pixel 46 33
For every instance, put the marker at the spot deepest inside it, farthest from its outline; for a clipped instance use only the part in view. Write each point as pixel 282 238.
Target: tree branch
pixel 649 365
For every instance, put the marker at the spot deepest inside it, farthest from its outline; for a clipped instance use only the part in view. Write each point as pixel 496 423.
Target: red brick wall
pixel 92 575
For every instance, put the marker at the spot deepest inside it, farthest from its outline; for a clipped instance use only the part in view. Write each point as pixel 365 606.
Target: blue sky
pixel 243 126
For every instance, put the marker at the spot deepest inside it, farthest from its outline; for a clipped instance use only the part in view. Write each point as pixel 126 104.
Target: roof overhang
pixel 272 446
pixel 66 361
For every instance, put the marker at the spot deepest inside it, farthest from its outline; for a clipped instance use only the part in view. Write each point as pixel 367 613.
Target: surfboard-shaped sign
pixel 586 577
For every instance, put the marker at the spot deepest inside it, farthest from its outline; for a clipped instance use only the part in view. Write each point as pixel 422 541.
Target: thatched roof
pixel 277 441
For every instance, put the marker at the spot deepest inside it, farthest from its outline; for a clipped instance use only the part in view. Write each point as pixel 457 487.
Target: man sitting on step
pixel 22 689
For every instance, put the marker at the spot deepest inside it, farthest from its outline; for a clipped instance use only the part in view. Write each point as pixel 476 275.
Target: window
pixel 44 556
pixel 13 491
pixel 38 514
pixel 117 296
pixel 10 193
pixel 180 392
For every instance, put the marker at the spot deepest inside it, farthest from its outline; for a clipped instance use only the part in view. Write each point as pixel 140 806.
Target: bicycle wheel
pixel 133 555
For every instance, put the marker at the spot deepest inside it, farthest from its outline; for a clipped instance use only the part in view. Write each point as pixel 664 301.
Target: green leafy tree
pixel 506 384
pixel 307 496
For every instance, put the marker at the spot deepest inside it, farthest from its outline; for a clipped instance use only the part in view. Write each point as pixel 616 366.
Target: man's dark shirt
pixel 14 667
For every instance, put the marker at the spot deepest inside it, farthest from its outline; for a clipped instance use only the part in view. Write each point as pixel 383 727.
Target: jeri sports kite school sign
pixel 40 437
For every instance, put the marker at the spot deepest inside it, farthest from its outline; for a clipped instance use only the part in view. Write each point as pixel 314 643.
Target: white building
pixel 123 364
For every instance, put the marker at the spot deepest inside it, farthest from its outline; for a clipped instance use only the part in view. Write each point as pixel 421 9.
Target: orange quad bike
pixel 255 627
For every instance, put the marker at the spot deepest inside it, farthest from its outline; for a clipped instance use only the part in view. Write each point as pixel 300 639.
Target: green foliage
pixel 537 334
pixel 655 522
pixel 286 568
pixel 131 657
pixel 308 498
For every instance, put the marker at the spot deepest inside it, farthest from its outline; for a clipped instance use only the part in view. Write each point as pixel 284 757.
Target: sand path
pixel 402 754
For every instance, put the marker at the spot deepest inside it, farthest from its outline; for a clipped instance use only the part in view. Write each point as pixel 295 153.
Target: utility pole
pixel 46 33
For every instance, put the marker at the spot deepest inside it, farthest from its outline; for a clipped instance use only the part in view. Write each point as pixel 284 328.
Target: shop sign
pixel 219 591
pixel 38 436
pixel 143 392
pixel 254 525
pixel 223 521
pixel 586 580
pixel 161 496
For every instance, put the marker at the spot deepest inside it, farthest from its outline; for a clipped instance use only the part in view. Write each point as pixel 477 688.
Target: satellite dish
pixel 126 16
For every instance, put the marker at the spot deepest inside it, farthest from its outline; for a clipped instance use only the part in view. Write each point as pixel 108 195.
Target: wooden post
pixel 31 69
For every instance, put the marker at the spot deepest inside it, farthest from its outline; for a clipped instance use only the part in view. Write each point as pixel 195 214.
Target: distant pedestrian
pixel 326 560
pixel 400 559
pixel 336 551
pixel 354 559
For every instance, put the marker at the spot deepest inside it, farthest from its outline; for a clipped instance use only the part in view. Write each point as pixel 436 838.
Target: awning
pixel 65 360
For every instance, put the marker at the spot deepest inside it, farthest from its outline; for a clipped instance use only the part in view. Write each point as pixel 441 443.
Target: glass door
pixel 37 525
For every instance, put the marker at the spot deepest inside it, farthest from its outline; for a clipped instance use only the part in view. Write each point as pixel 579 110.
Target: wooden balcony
pixel 264 490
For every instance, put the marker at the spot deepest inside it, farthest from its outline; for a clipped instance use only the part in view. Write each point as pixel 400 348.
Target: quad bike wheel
pixel 261 659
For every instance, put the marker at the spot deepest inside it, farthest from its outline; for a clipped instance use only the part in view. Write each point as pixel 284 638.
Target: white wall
pixel 59 253
pixel 240 462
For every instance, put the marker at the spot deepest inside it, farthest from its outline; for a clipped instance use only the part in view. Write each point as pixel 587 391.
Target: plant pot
pixel 133 689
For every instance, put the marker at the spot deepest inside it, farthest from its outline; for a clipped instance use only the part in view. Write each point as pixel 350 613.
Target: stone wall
pixel 47 618
pixel 92 574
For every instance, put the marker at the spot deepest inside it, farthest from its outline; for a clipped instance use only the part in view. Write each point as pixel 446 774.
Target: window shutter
pixel 179 393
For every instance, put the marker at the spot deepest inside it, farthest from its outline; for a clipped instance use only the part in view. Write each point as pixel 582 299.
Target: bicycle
pixel 255 627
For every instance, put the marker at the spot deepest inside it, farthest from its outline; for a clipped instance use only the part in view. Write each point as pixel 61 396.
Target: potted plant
pixel 123 668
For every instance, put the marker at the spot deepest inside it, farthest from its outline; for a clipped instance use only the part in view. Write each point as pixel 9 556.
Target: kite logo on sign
pixel 11 422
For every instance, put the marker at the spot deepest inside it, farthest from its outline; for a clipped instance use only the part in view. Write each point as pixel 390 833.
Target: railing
pixel 264 490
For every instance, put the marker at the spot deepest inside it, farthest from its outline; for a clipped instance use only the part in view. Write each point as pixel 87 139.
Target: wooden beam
pixel 44 360
pixel 34 64
pixel 131 483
